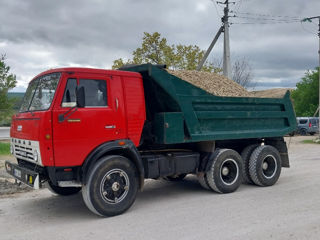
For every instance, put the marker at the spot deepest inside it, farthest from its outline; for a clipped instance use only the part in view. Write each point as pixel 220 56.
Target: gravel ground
pixel 8 186
pixel 165 210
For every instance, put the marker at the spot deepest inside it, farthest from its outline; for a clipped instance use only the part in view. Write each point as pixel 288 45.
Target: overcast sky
pixel 37 35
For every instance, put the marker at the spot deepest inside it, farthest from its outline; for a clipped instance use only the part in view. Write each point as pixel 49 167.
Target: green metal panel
pixel 209 117
pixel 168 127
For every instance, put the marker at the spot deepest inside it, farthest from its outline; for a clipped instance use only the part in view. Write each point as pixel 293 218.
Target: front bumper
pixel 24 175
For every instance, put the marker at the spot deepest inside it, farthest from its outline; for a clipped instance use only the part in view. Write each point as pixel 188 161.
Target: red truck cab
pixel 52 133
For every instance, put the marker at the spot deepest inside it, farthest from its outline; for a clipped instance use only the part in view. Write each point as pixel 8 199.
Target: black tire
pixel 245 155
pixel 312 133
pixel 203 182
pixel 176 178
pixel 111 186
pixel 225 172
pixel 303 132
pixel 63 191
pixel 265 166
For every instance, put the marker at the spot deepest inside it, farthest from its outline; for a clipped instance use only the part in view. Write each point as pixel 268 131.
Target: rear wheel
pixel 111 186
pixel 64 191
pixel 303 132
pixel 203 182
pixel 225 172
pixel 265 165
pixel 245 155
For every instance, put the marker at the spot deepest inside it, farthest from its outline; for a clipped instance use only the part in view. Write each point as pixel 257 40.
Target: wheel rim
pixel 114 186
pixel 229 171
pixel 269 166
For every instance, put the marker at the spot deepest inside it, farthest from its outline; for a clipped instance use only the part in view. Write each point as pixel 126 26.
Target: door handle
pixel 110 126
pixel 117 104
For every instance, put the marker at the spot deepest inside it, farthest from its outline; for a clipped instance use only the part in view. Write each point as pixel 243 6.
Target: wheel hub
pixel 265 166
pixel 114 186
pixel 225 171
pixel 269 166
pixel 229 171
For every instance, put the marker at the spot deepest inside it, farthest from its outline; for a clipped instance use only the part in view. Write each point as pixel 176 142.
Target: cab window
pixel 95 92
pixel 69 97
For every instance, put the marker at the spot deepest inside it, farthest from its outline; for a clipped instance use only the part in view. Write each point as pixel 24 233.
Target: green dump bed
pixel 181 112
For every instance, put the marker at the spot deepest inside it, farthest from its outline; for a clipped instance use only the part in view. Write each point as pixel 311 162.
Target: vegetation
pixel 7 82
pixel 4 148
pixel 242 73
pixel 156 50
pixel 308 141
pixel 306 96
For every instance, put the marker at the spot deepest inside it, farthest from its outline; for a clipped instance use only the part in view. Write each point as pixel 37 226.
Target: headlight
pixel 35 155
pixel 11 149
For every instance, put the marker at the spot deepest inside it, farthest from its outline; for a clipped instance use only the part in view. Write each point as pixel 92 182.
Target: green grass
pixel 4 148
pixel 310 141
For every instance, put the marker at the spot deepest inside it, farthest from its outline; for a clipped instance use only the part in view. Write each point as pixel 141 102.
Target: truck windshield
pixel 40 93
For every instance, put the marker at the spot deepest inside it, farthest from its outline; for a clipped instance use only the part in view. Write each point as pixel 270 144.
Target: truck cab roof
pixel 89 70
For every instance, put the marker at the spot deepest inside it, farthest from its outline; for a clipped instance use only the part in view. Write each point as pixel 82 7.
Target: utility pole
pixel 226 44
pixel 309 19
pixel 210 48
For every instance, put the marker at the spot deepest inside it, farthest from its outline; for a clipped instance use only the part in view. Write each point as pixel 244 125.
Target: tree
pixel 306 96
pixel 156 50
pixel 7 82
pixel 242 73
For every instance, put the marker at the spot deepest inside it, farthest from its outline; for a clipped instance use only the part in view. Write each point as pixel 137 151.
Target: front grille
pixel 23 152
pixel 26 150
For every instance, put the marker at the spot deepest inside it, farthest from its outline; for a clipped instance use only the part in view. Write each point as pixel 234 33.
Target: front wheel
pixel 111 186
pixel 64 191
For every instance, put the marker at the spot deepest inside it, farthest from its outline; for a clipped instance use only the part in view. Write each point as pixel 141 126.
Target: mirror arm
pixel 67 114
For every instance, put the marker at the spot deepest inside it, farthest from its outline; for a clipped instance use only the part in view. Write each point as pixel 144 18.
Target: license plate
pixel 17 173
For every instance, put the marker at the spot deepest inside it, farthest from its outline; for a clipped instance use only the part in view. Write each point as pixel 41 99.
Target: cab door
pixel 83 129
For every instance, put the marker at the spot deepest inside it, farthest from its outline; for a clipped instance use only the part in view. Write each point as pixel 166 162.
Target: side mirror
pixel 81 101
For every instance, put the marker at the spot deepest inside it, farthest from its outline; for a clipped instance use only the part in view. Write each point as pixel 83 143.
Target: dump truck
pixel 103 132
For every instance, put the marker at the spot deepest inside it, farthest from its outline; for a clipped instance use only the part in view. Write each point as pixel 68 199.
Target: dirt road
pixel 288 210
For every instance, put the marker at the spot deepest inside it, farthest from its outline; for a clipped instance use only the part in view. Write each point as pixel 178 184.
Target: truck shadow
pixel 72 207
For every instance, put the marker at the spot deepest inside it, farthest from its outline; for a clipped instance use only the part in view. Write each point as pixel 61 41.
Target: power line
pixel 238 5
pixel 268 19
pixel 306 30
pixel 215 6
pixel 265 15
pixel 261 23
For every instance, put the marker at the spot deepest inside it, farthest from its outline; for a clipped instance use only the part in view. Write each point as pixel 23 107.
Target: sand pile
pixel 271 93
pixel 212 82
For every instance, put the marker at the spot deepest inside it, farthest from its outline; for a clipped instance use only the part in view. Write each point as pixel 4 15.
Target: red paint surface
pixel 72 142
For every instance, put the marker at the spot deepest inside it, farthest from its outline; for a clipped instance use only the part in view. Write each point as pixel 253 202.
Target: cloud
pixel 37 35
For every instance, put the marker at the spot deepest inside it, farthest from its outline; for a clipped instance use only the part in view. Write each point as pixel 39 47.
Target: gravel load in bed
pixel 271 93
pixel 212 82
